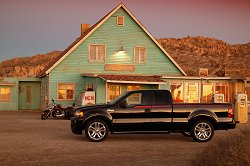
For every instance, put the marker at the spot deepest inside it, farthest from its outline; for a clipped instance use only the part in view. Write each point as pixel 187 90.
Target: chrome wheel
pixel 202 131
pixel 96 130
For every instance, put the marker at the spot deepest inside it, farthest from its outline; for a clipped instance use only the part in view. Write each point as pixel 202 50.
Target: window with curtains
pixel 139 54
pixel 65 91
pixel 97 53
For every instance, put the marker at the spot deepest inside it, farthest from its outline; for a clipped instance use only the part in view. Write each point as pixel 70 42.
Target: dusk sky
pixel 29 27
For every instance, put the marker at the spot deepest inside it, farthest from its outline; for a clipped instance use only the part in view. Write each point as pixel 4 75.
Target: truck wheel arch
pixel 208 118
pixel 101 117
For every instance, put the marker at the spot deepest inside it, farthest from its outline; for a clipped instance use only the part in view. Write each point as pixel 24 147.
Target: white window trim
pixel 117 18
pixel 65 83
pixel 96 55
pixel 145 55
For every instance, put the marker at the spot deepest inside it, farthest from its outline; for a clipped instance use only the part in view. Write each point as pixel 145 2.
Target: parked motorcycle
pixel 57 111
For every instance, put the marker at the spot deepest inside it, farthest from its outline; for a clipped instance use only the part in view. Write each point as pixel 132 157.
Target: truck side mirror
pixel 123 104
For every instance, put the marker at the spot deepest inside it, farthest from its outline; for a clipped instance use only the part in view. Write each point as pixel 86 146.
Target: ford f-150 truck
pixel 152 111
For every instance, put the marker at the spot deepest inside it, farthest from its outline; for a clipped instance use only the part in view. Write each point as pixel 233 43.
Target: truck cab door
pixel 161 111
pixel 132 113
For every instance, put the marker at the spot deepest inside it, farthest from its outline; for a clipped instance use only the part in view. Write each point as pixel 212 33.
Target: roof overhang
pixel 128 79
pixel 6 83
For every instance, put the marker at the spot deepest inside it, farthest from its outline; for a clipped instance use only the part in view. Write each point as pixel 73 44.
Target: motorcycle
pixel 57 111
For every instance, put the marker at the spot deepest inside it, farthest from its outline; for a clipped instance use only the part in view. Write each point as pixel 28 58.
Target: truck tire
pixel 202 131
pixel 96 130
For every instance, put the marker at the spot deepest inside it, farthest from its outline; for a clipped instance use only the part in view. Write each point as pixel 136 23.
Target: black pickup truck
pixel 151 111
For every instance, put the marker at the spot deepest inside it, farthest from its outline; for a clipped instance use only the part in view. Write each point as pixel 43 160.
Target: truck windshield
pixel 117 98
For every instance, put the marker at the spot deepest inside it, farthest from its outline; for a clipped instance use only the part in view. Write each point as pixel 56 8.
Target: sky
pixel 30 27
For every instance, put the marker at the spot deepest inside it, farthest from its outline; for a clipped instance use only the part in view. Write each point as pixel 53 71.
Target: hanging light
pixel 121 50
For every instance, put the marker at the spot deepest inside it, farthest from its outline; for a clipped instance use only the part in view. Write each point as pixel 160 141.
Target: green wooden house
pixel 20 93
pixel 114 55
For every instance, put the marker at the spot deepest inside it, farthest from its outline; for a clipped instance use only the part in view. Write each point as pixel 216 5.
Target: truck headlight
pixel 79 114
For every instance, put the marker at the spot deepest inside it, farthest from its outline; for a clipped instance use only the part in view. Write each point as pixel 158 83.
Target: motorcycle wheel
pixel 45 114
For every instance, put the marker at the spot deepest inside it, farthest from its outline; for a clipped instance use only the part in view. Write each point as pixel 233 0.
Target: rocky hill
pixel 191 53
pixel 220 58
pixel 26 66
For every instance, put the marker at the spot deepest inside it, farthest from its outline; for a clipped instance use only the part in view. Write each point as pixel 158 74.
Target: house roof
pixel 86 34
pixel 135 79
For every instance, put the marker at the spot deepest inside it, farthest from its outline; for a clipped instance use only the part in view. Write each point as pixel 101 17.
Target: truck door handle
pixel 147 110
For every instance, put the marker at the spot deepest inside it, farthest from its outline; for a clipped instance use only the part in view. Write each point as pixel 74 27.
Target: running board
pixel 142 132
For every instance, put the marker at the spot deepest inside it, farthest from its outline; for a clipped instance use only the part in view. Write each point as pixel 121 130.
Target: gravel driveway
pixel 25 139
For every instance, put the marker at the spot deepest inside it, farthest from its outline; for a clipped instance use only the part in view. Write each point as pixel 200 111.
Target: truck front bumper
pixel 76 126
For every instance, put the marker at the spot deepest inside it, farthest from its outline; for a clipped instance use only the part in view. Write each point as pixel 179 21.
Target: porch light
pixel 121 50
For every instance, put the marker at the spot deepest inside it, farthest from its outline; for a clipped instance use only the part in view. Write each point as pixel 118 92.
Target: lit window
pixel 97 53
pixel 192 92
pixel 114 91
pixel 207 92
pixel 66 91
pixel 5 94
pixel 222 88
pixel 120 20
pixel 140 54
pixel 135 98
pixel 176 88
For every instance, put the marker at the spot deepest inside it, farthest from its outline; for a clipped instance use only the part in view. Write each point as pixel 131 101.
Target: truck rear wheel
pixel 202 131
pixel 96 130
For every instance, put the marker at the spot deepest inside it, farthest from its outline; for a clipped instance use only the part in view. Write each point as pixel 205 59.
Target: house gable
pixel 132 34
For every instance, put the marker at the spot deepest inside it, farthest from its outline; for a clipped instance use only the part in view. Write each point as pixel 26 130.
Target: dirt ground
pixel 25 139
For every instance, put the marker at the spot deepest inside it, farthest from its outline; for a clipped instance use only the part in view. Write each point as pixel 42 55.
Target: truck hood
pixel 91 107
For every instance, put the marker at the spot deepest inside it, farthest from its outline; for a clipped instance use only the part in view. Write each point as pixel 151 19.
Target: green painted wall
pixel 113 36
pixel 13 103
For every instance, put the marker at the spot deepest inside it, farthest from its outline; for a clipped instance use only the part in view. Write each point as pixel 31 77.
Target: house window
pixel 140 54
pixel 192 89
pixel 176 88
pixel 133 87
pixel 5 94
pixel 222 88
pixel 114 91
pixel 120 20
pixel 65 91
pixel 207 92
pixel 97 53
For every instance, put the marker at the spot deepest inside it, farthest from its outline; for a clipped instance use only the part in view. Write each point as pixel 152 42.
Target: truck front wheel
pixel 96 130
pixel 202 131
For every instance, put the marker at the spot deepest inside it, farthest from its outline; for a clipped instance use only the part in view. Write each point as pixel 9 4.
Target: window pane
pixel 222 88
pixel 134 98
pixel 140 54
pixel 176 89
pixel 114 91
pixel 120 20
pixel 92 54
pixel 207 92
pixel 4 94
pixel 248 93
pixel 192 92
pixel 160 98
pixel 66 91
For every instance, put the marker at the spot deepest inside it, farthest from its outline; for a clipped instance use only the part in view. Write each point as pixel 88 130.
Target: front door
pixel 29 95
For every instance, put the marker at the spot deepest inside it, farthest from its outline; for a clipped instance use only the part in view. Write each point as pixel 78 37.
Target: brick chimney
pixel 84 28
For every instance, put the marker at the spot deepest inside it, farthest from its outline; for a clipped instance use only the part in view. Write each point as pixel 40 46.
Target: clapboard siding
pixel 113 37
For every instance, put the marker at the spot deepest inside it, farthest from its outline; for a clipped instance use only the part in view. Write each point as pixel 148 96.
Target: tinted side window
pixel 162 98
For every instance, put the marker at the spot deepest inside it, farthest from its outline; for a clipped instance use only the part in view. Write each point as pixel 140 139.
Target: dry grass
pixel 232 150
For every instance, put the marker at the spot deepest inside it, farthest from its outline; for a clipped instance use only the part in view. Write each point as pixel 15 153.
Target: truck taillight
pixel 230 113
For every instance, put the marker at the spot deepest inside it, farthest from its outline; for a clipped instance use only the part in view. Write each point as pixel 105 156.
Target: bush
pixel 232 150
